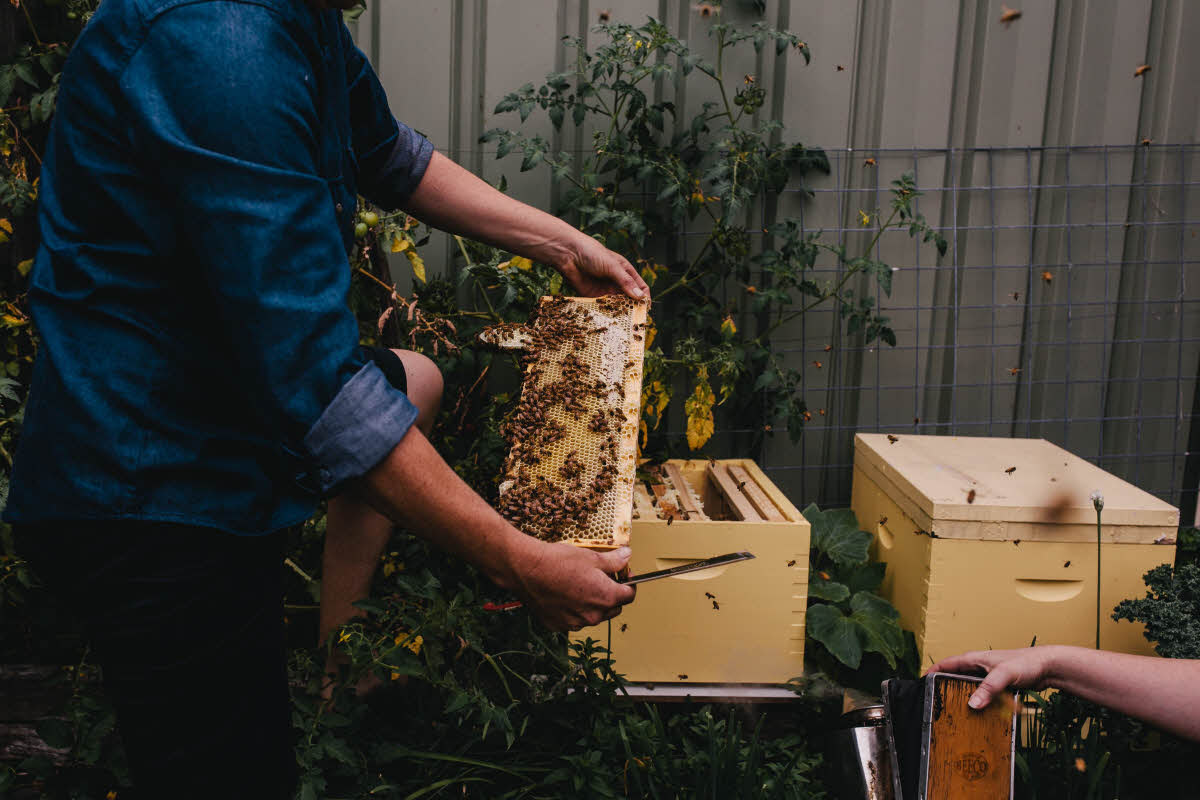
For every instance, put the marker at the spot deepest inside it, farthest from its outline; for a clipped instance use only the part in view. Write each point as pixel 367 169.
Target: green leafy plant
pixel 1170 610
pixel 650 173
pixel 846 617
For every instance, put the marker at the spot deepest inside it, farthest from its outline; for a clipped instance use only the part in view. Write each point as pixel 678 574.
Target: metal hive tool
pixel 570 471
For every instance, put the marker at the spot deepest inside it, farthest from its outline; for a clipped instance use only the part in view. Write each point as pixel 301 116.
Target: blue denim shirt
pixel 198 360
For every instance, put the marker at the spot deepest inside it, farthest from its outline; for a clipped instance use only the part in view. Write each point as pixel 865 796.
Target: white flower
pixel 1097 499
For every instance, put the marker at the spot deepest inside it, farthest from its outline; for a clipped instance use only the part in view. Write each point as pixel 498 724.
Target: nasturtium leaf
pixel 824 589
pixel 829 626
pixel 835 533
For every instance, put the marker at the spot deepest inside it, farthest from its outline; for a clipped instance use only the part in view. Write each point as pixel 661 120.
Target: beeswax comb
pixel 570 469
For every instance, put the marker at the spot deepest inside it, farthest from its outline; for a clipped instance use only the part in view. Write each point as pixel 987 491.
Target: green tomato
pixel 370 217
pixel 360 230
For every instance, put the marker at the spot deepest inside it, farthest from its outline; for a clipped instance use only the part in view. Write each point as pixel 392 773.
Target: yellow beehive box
pixel 740 623
pixel 992 542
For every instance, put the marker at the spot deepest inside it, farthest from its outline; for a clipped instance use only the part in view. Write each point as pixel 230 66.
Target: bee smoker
pixel 862 754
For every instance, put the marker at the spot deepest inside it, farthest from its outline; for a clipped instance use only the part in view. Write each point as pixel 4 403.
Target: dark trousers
pixel 187 626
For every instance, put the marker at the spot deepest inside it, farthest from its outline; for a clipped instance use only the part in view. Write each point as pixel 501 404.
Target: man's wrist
pixel 512 556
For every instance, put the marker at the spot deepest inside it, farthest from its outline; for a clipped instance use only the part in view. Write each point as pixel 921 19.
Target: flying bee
pixel 870 162
pixel 1008 15
pixel 1010 470
pixel 1141 70
pixel 971 496
pixel 716 606
pixel 792 563
pixel 893 439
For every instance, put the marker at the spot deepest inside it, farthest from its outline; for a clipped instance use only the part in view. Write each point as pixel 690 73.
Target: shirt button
pixel 338 208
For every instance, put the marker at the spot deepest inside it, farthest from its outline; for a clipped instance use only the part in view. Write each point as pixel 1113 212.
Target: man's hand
pixel 594 270
pixel 1028 668
pixel 568 587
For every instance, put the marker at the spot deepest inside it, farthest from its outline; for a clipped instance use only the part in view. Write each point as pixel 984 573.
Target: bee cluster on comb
pixel 573 437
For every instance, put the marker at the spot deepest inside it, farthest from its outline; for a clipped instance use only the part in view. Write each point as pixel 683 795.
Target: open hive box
pixel 990 542
pixel 734 624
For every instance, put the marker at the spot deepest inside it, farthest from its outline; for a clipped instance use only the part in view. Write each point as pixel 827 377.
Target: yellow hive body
pixel 569 474
pixel 992 542
pixel 736 624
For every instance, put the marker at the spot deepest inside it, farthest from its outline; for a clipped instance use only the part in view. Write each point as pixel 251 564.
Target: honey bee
pixel 1008 15
pixel 1141 70
pixel 1066 565
pixel 606 15
pixel 749 79
pixel 828 347
pixel 840 68
pixel 892 439
pixel 1010 470
pixel 807 416
pixel 792 563
pixel 817 364
pixel 883 520
pixel 1015 295
pixel 1047 276
pixel 971 496
pixel 1147 142
pixel 682 677
pixel 870 162
pixel 709 595
pixel 716 606
pixel 1014 370
pixel 821 411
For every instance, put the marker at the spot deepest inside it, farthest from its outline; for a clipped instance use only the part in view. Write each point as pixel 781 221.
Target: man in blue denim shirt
pixel 199 384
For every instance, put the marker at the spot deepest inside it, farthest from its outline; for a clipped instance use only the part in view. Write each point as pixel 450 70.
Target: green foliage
pixel 715 308
pixel 1170 610
pixel 1070 749
pixel 846 618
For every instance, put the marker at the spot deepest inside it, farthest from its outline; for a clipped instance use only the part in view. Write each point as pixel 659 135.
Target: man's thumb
pixel 616 560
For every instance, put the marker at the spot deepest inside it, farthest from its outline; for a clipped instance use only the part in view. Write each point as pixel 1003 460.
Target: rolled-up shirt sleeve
pixel 226 108
pixel 392 157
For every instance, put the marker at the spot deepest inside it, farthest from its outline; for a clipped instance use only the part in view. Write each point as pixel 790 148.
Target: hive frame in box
pixel 675 641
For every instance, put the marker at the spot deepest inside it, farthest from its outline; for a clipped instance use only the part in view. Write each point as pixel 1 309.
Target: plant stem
pixel 29 19
pixel 1099 510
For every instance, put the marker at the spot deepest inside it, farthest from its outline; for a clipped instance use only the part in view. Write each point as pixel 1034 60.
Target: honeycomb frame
pixel 570 470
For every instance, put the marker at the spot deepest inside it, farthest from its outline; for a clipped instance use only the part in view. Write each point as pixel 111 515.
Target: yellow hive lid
pixel 948 479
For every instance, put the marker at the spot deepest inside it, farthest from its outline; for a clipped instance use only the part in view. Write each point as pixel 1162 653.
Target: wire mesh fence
pixel 1067 308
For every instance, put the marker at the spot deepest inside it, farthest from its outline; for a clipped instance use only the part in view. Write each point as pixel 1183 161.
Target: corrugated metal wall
pixel 1028 141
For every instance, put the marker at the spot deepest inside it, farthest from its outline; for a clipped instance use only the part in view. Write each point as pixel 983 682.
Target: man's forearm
pixel 453 199
pixel 415 487
pixel 566 587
